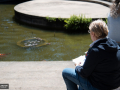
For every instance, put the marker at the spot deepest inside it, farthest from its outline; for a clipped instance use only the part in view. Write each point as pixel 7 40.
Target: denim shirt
pixel 114 28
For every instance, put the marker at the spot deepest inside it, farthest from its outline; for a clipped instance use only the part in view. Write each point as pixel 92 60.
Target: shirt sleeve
pixel 91 62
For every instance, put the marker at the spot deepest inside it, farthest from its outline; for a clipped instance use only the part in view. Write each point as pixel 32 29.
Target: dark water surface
pixel 63 46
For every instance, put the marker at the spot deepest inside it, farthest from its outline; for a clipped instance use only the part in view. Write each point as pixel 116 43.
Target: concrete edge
pixel 43 22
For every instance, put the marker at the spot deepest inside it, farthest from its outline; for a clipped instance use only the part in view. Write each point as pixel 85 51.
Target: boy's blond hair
pixel 100 28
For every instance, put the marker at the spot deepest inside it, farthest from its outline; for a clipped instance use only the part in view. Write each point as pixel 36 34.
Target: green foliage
pixel 74 23
pixel 60 19
pixel 78 23
pixel 51 19
pixel 105 20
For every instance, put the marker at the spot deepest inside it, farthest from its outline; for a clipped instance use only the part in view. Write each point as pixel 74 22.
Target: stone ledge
pixel 41 21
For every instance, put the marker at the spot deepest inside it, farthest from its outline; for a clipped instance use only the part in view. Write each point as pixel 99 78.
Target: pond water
pixel 62 46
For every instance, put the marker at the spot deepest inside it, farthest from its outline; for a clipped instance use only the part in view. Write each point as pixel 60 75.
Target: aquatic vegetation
pixel 74 23
pixel 78 23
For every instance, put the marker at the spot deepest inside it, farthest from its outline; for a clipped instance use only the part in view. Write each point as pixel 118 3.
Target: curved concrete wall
pixel 38 21
pixel 35 12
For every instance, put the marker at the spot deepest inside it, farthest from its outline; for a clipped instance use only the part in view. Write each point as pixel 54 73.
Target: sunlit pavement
pixel 34 75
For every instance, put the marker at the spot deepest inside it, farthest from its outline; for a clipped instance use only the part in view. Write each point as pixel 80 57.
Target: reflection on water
pixel 62 47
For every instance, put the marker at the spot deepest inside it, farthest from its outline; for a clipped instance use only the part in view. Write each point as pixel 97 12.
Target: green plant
pixel 105 20
pixel 51 19
pixel 77 23
pixel 60 19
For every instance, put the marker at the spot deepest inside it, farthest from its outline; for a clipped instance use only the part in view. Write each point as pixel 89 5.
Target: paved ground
pixel 63 9
pixel 34 75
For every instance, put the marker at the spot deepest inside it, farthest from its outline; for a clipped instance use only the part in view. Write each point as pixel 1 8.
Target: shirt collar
pixel 96 41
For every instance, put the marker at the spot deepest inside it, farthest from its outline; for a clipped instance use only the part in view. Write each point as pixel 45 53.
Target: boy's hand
pixel 78 64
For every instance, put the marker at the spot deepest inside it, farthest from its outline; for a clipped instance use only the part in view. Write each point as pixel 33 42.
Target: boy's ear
pixel 93 34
